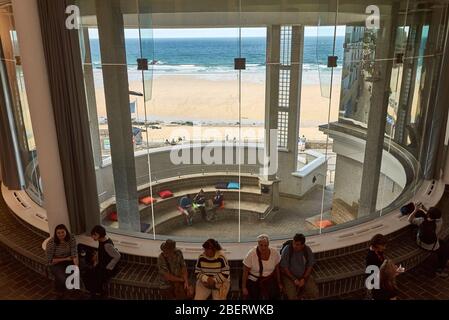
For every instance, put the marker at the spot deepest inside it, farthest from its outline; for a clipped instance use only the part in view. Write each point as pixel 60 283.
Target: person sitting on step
pixel 212 272
pixel 199 201
pixel 218 199
pixel 173 274
pixel 62 252
pixel 297 261
pixel 185 205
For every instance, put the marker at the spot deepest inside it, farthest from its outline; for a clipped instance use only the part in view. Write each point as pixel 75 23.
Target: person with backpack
pixel 105 263
pixel 261 276
pixel 429 227
pixel 297 263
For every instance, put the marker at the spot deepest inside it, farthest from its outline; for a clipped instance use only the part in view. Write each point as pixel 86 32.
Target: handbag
pixel 177 288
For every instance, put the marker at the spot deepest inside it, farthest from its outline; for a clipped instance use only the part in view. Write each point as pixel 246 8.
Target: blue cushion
pixel 233 186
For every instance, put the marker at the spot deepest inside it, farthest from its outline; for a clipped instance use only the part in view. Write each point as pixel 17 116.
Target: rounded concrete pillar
pixel 28 29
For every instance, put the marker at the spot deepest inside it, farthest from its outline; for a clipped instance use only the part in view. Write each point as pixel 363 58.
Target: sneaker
pixel 441 273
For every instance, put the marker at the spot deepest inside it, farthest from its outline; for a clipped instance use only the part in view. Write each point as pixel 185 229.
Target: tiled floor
pixel 17 282
pixel 417 284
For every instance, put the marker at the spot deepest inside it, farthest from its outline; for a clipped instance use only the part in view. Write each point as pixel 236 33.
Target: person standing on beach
pixel 302 143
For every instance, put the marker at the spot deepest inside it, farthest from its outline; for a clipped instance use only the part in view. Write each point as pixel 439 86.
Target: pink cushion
pixel 165 194
pixel 113 216
pixel 147 200
pixel 323 223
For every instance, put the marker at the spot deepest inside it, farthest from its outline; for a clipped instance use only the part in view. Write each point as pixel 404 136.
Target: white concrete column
pixel 28 28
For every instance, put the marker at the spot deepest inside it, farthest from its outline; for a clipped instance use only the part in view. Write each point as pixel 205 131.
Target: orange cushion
pixel 113 216
pixel 323 223
pixel 147 200
pixel 166 194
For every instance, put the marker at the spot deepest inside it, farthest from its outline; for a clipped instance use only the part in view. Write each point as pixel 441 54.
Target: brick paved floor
pixel 17 282
pixel 417 284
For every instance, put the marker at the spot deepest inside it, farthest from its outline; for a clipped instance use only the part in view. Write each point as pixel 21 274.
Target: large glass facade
pixel 13 87
pixel 307 116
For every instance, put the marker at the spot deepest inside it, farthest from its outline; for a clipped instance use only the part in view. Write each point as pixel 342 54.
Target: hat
pixel 168 245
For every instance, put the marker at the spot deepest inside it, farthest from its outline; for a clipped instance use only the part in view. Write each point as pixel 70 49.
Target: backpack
pixel 407 209
pixel 427 232
pixel 289 243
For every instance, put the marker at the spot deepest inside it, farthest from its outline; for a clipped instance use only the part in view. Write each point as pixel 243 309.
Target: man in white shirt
pixel 261 275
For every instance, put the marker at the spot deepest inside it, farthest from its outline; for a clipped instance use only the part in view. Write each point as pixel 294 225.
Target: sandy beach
pixel 212 104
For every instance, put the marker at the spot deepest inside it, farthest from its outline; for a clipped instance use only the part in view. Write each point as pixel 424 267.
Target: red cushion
pixel 323 223
pixel 165 194
pixel 113 216
pixel 147 200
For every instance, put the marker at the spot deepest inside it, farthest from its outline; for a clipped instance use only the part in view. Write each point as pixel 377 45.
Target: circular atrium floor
pixel 294 216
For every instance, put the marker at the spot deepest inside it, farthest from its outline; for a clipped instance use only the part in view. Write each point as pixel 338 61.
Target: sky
pixel 220 32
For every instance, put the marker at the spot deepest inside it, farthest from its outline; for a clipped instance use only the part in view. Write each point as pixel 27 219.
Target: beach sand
pixel 213 104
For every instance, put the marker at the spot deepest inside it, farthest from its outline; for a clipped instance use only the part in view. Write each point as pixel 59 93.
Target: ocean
pixel 215 56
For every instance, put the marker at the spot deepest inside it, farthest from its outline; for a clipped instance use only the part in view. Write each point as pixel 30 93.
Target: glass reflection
pixel 341 129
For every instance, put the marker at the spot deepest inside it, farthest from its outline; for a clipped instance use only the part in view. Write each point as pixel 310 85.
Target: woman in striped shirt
pixel 61 252
pixel 212 272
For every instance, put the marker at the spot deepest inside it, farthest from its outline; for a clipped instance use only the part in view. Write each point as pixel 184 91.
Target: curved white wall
pixel 39 99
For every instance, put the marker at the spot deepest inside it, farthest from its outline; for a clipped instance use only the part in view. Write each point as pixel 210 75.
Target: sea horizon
pixel 213 58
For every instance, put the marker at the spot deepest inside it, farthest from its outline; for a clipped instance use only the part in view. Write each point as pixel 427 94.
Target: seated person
pixel 61 252
pixel 173 274
pixel 375 256
pixel 297 261
pixel 218 199
pixel 200 202
pixel 376 250
pixel 388 289
pixel 186 207
pixel 261 276
pixel 212 273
